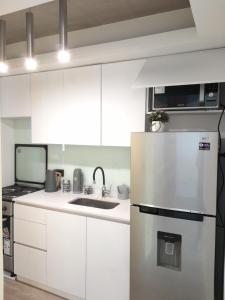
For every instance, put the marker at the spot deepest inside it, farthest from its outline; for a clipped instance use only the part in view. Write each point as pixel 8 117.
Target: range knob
pixel 4 208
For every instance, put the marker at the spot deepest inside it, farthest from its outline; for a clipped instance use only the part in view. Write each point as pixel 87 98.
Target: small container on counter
pixel 123 192
pixel 88 189
pixel 66 186
pixel 78 181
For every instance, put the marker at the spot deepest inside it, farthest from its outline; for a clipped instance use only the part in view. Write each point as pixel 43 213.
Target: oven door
pixel 8 243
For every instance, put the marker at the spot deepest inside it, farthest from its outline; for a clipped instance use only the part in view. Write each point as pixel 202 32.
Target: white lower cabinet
pixel 75 256
pixel 108 260
pixel 30 263
pixel 30 234
pixel 66 253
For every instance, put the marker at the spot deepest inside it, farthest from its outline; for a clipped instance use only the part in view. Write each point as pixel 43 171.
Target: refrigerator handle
pixel 198 217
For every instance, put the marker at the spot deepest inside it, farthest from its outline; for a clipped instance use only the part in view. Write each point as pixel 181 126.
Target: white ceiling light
pixel 3 64
pixel 63 54
pixel 30 61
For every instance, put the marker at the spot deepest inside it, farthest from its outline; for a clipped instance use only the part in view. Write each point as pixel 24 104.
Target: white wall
pixel 7 138
pixel 196 121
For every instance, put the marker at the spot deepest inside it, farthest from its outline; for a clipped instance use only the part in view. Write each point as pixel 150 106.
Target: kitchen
pixel 84 111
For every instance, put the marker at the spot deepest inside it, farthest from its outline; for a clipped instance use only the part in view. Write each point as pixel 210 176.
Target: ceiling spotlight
pixel 63 54
pixel 3 64
pixel 3 67
pixel 30 61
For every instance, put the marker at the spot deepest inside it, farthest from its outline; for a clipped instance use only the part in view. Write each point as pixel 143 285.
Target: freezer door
pixel 171 259
pixel 175 170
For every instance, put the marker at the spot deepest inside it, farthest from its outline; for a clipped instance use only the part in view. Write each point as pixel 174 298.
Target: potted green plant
pixel 157 120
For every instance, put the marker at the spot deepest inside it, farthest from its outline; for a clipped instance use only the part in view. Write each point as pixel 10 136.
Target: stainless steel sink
pixel 94 203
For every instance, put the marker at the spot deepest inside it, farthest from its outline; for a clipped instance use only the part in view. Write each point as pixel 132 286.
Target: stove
pixel 9 193
pixel 14 191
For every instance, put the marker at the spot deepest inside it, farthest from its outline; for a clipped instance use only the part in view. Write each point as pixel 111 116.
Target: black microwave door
pixel 183 96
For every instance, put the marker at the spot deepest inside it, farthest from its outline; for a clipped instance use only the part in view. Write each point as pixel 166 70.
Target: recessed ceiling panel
pixel 85 14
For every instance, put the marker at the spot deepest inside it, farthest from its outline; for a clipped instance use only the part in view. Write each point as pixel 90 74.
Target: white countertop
pixel 58 201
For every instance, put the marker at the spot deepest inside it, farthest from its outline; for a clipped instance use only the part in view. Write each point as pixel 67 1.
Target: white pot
pixel 157 126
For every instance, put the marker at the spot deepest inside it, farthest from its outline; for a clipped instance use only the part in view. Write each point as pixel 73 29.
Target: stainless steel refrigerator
pixel 173 216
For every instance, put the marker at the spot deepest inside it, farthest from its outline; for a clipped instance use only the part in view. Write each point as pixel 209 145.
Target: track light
pixel 30 61
pixel 63 54
pixel 3 64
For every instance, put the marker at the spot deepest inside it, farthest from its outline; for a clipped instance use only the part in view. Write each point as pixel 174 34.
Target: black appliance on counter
pixel 207 96
pixel 31 163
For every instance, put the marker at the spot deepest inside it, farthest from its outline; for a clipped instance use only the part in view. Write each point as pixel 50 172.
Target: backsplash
pixel 114 160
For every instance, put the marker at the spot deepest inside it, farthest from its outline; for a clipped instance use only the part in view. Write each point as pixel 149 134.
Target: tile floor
pixel 14 290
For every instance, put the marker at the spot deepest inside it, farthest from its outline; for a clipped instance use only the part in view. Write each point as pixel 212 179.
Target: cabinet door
pixel 66 253
pixel 30 263
pixel 82 107
pixel 107 260
pixel 123 106
pixel 47 107
pixel 15 96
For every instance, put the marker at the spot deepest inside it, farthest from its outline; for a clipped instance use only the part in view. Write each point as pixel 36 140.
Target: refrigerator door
pixel 171 259
pixel 175 170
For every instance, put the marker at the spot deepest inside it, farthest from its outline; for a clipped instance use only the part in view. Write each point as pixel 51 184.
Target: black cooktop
pixel 12 191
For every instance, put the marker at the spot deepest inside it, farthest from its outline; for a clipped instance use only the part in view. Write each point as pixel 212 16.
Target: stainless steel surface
pixel 63 24
pixel 94 203
pixel 195 280
pixel 2 40
pixel 169 170
pixel 30 34
pixel 106 192
pixel 7 208
pixel 8 263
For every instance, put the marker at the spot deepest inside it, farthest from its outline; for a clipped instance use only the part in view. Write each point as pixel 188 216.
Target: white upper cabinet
pixel 47 107
pixel 66 106
pixel 123 106
pixel 82 105
pixel 15 96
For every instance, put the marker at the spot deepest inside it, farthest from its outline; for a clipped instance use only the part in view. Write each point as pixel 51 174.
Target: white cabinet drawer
pixel 30 234
pixel 29 213
pixel 30 263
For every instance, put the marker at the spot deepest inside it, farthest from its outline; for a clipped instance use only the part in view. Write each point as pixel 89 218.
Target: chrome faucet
pixel 105 192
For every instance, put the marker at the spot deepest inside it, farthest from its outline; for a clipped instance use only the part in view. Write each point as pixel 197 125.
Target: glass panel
pixel 177 96
pixel 30 164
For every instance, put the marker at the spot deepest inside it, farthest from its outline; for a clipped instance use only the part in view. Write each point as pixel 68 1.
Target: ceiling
pixel 15 5
pixel 85 14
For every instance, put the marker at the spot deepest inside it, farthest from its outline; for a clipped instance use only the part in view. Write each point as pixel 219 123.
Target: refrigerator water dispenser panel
pixel 169 250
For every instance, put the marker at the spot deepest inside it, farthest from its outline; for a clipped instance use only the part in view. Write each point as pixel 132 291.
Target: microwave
pixel 186 97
